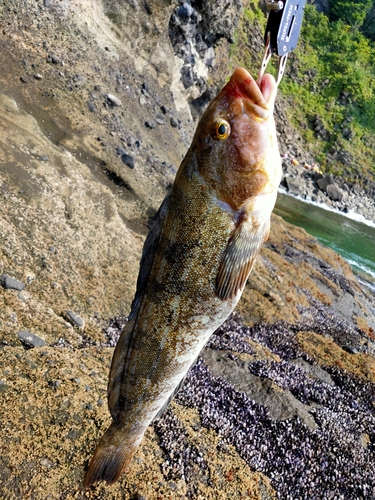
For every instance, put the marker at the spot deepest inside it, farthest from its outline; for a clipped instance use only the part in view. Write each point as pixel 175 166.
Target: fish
pixel 195 262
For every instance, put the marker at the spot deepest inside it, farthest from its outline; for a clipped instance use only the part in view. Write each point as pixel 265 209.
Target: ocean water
pixel 351 236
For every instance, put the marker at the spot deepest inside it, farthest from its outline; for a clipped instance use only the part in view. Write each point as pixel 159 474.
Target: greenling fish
pixel 195 262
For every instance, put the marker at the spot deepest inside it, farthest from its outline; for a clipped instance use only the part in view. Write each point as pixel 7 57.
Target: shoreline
pixel 364 274
pixel 305 182
pixel 354 216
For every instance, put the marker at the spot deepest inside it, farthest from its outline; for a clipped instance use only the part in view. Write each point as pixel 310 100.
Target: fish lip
pixel 258 96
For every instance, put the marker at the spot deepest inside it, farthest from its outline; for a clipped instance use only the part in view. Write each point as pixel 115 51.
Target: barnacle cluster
pixel 183 457
pixel 331 459
pixel 334 460
pixel 231 336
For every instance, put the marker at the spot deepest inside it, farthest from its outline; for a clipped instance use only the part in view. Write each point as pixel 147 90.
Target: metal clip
pixel 282 32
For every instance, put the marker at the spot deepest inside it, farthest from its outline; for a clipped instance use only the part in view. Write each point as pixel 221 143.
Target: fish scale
pixel 195 262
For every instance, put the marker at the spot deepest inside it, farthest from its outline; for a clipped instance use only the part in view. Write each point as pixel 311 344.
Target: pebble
pixel 150 124
pixel 3 387
pixel 23 79
pixel 185 11
pixel 24 296
pixel 160 120
pixel 91 106
pixel 75 319
pixel 121 151
pixel 38 76
pixel 79 79
pixel 113 100
pixel 128 160
pixel 53 58
pixel 30 340
pixel 11 283
pixel 45 463
pixel 174 122
pixel 54 383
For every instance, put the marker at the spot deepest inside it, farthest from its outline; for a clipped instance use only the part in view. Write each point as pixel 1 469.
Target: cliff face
pixel 95 118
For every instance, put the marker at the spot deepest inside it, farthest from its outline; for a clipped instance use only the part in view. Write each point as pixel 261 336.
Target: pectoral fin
pixel 239 257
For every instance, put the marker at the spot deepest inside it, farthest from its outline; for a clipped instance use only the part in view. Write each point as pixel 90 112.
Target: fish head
pixel 235 143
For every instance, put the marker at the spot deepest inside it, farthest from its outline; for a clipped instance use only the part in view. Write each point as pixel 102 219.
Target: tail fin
pixel 111 456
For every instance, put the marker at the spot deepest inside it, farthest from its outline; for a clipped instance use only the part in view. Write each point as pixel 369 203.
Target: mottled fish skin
pixel 195 263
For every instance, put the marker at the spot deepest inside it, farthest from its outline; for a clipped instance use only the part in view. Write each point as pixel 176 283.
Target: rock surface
pixel 280 402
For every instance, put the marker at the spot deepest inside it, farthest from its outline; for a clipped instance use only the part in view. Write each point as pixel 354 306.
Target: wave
pixel 351 215
pixel 367 284
pixel 368 273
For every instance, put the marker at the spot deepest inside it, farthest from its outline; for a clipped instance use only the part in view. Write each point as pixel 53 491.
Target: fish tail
pixel 111 456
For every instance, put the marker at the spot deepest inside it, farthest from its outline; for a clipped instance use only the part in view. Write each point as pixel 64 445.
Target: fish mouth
pixel 258 96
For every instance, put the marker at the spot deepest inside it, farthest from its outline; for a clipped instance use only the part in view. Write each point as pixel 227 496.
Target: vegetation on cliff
pixel 330 82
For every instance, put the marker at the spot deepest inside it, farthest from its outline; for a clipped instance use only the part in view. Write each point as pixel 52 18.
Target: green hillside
pixel 330 84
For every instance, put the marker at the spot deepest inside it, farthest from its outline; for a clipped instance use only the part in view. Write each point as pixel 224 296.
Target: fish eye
pixel 221 130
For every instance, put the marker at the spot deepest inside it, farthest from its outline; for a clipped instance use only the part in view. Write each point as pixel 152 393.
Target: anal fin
pixel 117 372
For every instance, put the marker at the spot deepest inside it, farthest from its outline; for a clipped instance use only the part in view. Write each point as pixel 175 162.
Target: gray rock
pixel 281 405
pixel 11 283
pixel 316 176
pixel 295 185
pixel 113 100
pixel 150 124
pixel 30 340
pixel 52 58
pixel 334 192
pixel 185 11
pixel 347 133
pixel 91 106
pixel 3 387
pixel 324 182
pixel 174 121
pixel 80 79
pixel 128 160
pixel 121 151
pixel 315 371
pixel 75 319
pixel 38 76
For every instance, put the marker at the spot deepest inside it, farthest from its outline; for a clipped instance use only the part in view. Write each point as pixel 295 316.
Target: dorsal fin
pixel 148 254
pixel 120 355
